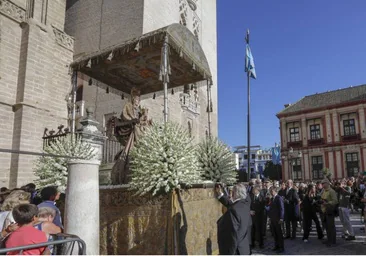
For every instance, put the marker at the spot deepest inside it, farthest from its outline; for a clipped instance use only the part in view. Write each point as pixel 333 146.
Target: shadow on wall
pixel 182 229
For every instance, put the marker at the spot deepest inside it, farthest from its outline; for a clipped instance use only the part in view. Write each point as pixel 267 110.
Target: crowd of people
pixel 29 217
pixel 287 207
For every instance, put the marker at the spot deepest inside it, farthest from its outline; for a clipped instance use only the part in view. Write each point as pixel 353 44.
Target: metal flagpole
pixel 209 110
pixel 74 88
pixel 248 113
pixel 248 126
pixel 165 78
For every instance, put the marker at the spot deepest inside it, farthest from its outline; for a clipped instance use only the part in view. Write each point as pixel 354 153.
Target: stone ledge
pixel 82 161
pixel 12 11
pixel 63 39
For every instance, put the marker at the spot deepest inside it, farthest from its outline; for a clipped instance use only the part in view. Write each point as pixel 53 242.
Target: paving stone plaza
pixel 316 247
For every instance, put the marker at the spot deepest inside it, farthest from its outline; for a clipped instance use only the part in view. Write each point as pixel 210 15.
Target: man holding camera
pixel 328 203
pixel 345 191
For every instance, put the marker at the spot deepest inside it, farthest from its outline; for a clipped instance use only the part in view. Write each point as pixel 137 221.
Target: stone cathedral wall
pixel 34 80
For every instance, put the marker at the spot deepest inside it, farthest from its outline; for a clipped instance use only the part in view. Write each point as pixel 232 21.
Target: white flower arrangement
pixel 163 159
pixel 52 171
pixel 216 161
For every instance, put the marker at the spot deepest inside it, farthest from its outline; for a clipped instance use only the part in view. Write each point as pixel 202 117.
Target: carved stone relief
pixel 183 11
pixel 12 10
pixel 63 39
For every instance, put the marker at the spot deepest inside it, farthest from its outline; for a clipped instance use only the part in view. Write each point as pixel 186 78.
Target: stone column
pixel 336 128
pixel 82 203
pixel 361 119
pixel 328 125
pixel 285 168
pixel 304 133
pixel 284 134
pixel 307 168
pixel 90 133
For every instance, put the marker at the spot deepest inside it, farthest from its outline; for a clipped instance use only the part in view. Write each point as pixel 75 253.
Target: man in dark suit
pixel 233 228
pixel 250 186
pixel 257 212
pixel 265 194
pixel 276 214
pixel 291 201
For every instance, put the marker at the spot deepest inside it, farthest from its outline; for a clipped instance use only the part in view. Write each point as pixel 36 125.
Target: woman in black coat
pixel 309 207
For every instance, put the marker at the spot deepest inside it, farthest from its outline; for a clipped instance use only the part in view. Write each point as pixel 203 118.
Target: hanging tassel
pixel 110 57
pixel 137 47
pixel 90 82
pixel 194 66
pixel 122 96
pixel 89 64
pixel 181 53
pixel 154 96
pixel 107 90
pixel 172 91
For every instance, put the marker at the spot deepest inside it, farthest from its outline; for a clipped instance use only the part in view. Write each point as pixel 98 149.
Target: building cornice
pixel 326 108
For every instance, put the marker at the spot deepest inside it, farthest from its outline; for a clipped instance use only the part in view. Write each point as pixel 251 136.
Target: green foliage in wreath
pixel 52 171
pixel 327 173
pixel 163 159
pixel 216 161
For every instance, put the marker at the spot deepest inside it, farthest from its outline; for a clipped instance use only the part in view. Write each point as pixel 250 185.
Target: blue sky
pixel 299 47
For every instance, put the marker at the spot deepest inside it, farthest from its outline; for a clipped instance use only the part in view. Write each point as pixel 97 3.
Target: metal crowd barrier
pixel 64 244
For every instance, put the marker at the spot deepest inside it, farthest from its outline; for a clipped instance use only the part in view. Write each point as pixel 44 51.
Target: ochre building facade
pixel 325 130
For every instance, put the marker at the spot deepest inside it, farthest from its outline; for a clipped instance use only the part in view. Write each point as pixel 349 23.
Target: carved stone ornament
pixel 12 10
pixel 63 39
pixel 192 5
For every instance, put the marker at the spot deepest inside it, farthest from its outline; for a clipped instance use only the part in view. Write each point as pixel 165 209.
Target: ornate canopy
pixel 140 62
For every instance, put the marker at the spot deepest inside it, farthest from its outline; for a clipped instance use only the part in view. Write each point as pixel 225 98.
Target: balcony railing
pixel 111 147
pixel 294 144
pixel 348 138
pixel 316 142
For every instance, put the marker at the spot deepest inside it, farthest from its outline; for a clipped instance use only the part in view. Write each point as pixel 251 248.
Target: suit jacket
pixel 309 206
pixel 257 205
pixel 233 228
pixel 276 209
pixel 292 207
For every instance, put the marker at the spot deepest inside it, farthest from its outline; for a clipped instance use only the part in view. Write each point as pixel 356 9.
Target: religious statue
pixel 134 121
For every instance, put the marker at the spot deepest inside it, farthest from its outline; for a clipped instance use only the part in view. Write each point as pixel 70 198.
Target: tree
pixel 273 171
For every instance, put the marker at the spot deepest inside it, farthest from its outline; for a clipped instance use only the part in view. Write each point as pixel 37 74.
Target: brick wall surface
pixel 34 80
pixel 56 13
